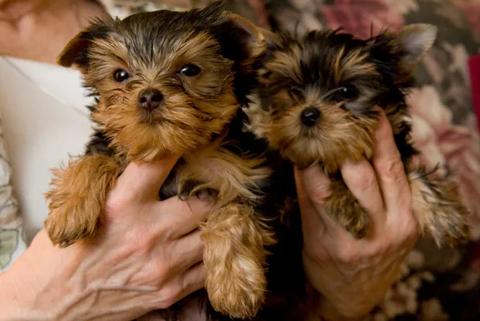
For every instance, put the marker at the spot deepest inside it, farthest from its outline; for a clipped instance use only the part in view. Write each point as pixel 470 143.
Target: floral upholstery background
pixel 437 284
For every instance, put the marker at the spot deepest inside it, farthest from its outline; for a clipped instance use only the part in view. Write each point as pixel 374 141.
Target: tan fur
pixel 77 198
pixel 287 64
pixel 232 177
pixel 345 209
pixel 438 208
pixel 234 258
pixel 353 64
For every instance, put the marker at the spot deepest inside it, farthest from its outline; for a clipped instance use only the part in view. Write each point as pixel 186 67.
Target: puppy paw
pixel 77 198
pixel 234 258
pixel 237 294
pixel 344 208
pixel 64 227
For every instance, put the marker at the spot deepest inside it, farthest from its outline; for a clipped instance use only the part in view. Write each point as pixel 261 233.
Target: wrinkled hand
pixel 147 256
pixel 352 275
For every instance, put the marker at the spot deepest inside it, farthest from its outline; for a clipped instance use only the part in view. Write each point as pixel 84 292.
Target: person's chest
pixel 43 121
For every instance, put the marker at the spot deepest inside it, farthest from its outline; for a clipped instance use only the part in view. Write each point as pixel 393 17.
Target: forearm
pixel 17 300
pixel 32 289
pixel 44 285
pixel 351 300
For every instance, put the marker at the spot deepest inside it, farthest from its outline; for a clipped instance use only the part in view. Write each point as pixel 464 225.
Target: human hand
pixel 147 256
pixel 353 275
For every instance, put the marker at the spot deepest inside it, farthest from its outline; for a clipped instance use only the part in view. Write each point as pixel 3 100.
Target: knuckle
pixel 320 192
pixel 391 169
pixel 363 179
pixel 116 203
pixel 411 230
pixel 405 231
pixel 167 231
pixel 378 249
pixel 142 240
pixel 170 296
pixel 347 256
pixel 160 272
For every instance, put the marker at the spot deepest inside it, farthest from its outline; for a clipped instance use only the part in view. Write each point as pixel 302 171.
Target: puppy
pixel 315 104
pixel 171 83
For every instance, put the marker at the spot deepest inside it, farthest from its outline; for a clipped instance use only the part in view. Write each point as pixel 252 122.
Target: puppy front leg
pixel 346 210
pixel 77 198
pixel 438 208
pixel 234 258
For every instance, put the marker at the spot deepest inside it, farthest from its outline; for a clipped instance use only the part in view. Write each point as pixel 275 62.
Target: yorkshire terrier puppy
pixel 315 104
pixel 171 83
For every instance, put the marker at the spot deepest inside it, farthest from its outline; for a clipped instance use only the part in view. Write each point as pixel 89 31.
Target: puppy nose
pixel 150 99
pixel 310 116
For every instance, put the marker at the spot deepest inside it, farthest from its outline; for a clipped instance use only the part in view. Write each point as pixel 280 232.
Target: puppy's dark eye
pixel 190 70
pixel 347 92
pixel 120 75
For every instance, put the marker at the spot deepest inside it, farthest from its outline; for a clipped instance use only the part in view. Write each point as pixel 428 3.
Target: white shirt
pixel 44 121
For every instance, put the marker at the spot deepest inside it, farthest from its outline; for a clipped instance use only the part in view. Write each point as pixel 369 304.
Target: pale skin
pixel 149 253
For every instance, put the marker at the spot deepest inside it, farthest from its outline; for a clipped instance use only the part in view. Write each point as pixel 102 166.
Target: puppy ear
pixel 76 52
pixel 416 40
pixel 254 39
pixel 397 54
pixel 240 39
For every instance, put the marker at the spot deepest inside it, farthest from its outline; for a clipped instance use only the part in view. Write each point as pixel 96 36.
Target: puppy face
pixel 317 94
pixel 164 80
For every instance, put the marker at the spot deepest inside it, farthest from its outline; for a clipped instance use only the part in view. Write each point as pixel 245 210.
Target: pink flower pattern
pixel 362 18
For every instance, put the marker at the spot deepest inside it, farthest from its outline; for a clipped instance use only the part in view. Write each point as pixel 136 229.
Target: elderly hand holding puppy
pixel 148 257
pixel 351 275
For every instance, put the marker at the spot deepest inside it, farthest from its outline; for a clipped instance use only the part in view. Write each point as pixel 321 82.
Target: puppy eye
pixel 120 75
pixel 347 92
pixel 190 70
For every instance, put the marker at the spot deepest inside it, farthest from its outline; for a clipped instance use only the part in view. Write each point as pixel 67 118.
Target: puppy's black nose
pixel 149 99
pixel 310 116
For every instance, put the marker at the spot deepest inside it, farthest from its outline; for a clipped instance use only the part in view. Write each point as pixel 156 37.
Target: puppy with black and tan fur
pixel 316 105
pixel 169 83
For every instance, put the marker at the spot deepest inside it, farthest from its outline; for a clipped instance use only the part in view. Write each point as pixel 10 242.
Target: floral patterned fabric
pixel 11 233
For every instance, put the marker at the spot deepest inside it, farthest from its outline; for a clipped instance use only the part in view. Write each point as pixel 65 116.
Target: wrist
pixel 38 287
pixel 17 300
pixel 334 297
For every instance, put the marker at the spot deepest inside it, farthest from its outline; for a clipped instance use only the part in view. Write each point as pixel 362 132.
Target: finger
pixel 182 285
pixel 187 251
pixel 389 168
pixel 181 217
pixel 313 188
pixel 193 280
pixel 315 184
pixel 361 181
pixel 144 179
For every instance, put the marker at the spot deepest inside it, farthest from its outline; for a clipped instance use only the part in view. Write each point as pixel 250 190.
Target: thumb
pixel 144 179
